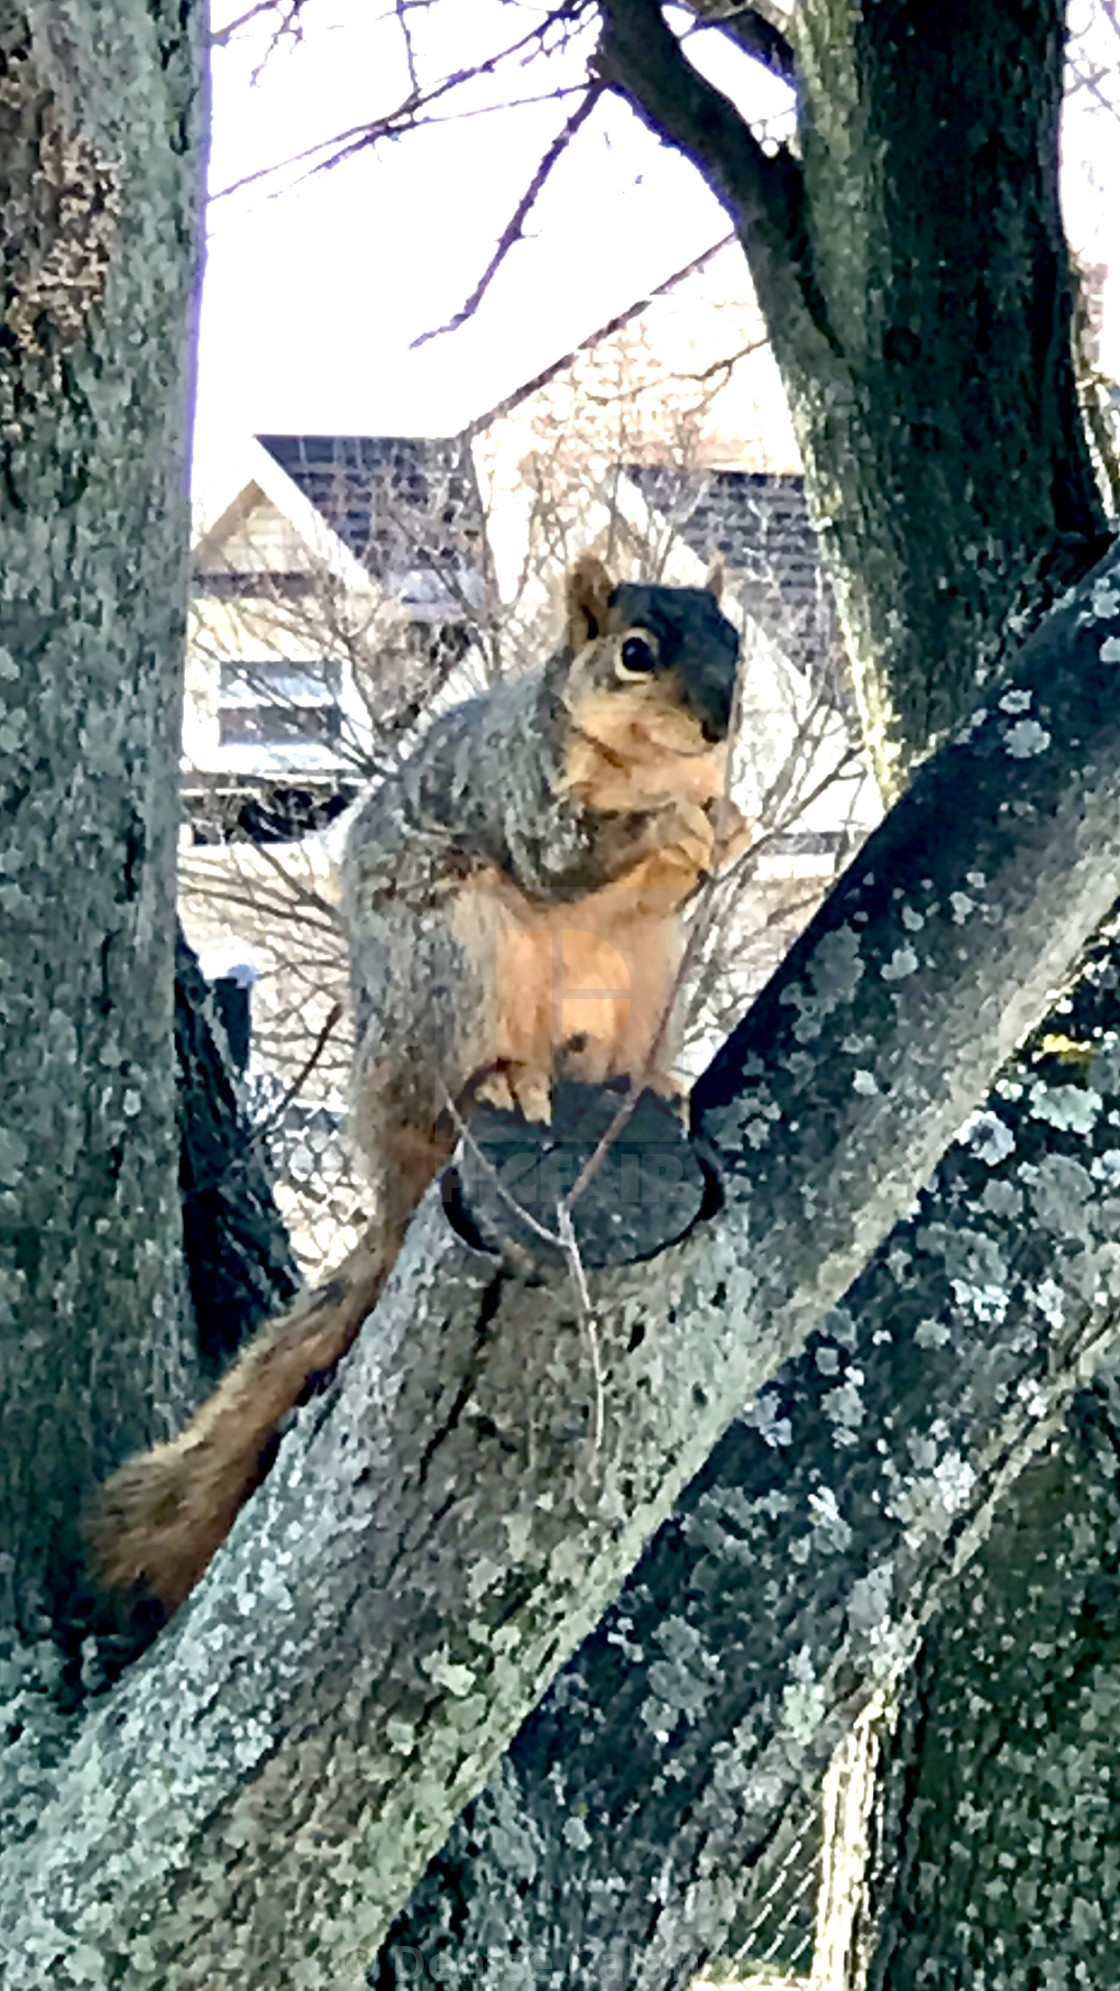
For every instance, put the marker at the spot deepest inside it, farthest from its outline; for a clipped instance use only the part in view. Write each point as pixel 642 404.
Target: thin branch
pixel 222 37
pixel 272 1119
pixel 303 894
pixel 606 331
pixel 251 895
pixel 290 28
pixel 641 58
pixel 487 1166
pixel 754 34
pixel 565 1237
pixel 587 1318
pixel 409 48
pixel 698 934
pixel 249 1148
pixel 327 153
pixel 725 366
pixel 514 227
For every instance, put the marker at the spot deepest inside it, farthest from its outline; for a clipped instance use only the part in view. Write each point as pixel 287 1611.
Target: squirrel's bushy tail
pixel 155 1525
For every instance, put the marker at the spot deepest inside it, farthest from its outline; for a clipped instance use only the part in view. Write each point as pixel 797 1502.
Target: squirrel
pixel 512 894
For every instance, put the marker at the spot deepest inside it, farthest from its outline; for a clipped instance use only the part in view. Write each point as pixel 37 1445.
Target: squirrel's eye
pixel 637 656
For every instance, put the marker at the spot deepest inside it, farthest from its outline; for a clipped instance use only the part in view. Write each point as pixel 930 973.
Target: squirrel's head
pixel 659 652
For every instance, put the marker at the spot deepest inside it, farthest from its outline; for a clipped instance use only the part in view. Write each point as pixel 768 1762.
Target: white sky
pixel 315 286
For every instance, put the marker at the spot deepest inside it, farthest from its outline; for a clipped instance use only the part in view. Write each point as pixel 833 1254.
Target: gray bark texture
pixel 99 185
pixel 252 1804
pixel 438 1532
pixel 633 1829
pixel 996 1852
pixel 999 1818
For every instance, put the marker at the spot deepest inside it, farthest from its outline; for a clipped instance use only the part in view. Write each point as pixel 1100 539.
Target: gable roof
pixel 246 476
pixel 402 505
pixel 597 338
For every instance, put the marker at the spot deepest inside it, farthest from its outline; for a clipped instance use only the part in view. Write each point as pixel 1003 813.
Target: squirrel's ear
pixel 589 590
pixel 715 580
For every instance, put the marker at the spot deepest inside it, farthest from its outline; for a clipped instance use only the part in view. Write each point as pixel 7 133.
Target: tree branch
pixel 437 1534
pixel 514 227
pixel 239 1263
pixel 641 58
pixel 481 423
pixel 690 1729
pixel 753 32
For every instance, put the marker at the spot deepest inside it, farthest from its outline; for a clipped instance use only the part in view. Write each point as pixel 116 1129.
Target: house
pixel 328 571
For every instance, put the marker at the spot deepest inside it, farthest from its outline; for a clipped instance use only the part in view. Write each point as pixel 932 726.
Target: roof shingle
pixel 402 504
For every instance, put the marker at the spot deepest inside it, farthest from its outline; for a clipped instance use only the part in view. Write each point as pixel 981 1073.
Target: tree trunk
pixel 952 484
pixel 1000 1819
pixel 278 1772
pixel 356 1659
pixel 916 286
pixel 99 187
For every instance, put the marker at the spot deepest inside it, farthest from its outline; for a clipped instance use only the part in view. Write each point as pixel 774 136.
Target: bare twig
pixel 564 1236
pixel 698 933
pixel 587 1317
pixel 328 153
pixel 594 339
pixel 272 1119
pixel 512 231
pixel 488 1168
pixel 302 893
pixel 409 51
pixel 264 1127
pixel 223 36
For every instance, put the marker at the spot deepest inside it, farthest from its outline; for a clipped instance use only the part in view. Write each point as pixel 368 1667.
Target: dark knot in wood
pixel 647 1189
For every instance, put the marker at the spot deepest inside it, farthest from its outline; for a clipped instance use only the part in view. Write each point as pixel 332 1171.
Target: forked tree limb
pixel 762 192
pixel 688 1733
pixel 758 36
pixel 437 1535
pixel 753 31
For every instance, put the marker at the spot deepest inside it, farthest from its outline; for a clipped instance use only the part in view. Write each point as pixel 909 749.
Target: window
pixel 275 702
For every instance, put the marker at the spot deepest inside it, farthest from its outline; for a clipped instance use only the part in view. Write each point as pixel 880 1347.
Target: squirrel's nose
pixel 711 701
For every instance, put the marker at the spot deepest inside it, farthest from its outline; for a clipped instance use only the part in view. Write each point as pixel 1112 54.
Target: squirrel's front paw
pixel 514 1086
pixel 684 834
pixel 732 832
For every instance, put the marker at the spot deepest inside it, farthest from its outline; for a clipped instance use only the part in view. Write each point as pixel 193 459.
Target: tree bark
pixel 925 346
pixel 99 186
pixel 287 1800
pixel 915 281
pixel 630 1835
pixel 348 1672
pixel 999 1814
